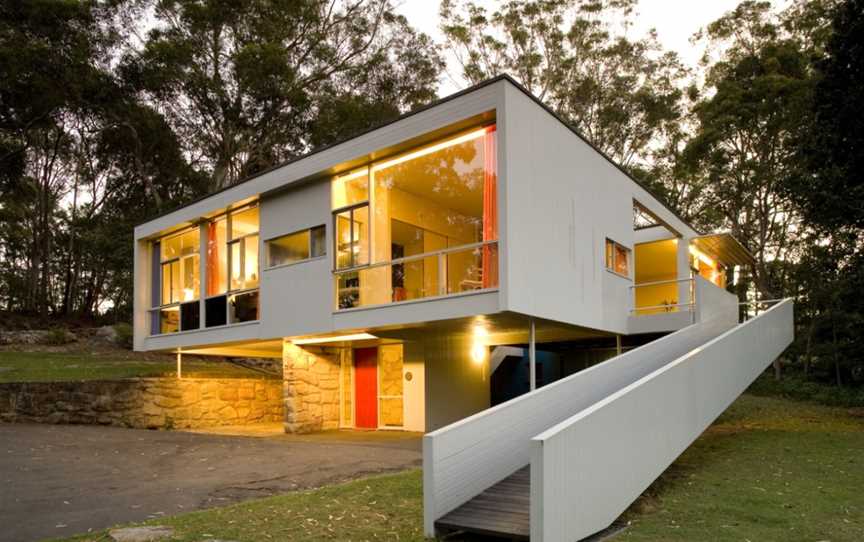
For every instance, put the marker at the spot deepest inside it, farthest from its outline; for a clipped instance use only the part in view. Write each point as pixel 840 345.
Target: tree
pixel 623 95
pixel 827 185
pixel 746 122
pixel 244 84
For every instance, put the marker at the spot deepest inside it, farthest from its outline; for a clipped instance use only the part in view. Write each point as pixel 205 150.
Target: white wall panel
pixel 463 459
pixel 588 469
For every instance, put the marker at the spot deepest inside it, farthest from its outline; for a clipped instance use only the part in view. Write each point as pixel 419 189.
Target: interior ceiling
pixel 452 177
pixel 724 247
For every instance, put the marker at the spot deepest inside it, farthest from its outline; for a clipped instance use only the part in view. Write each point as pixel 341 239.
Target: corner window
pixel 178 282
pixel 617 258
pixel 296 247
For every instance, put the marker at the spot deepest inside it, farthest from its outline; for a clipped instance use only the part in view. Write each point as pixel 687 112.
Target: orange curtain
pixel 490 209
pixel 212 260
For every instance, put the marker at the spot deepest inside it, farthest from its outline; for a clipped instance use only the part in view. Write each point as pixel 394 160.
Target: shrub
pixel 123 335
pixel 59 336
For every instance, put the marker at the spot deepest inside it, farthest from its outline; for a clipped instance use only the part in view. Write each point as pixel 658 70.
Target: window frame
pixel 614 258
pixel 230 240
pixel 311 243
pixel 181 261
pixel 335 217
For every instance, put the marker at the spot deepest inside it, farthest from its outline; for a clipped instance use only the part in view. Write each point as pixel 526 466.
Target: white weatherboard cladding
pixel 463 459
pixel 588 469
pixel 563 200
pixel 297 299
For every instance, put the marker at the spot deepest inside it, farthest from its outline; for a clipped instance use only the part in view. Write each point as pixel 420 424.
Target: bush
pixel 123 335
pixel 59 336
pixel 795 386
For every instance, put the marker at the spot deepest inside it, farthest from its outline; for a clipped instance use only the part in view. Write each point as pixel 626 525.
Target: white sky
pixel 675 21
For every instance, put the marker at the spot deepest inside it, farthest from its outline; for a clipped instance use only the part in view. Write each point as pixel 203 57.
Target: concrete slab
pixel 62 480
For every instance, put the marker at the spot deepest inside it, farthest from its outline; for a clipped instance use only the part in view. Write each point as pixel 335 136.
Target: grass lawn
pixel 55 366
pixel 769 469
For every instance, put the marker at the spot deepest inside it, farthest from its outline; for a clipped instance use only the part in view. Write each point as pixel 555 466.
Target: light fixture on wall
pixel 479 344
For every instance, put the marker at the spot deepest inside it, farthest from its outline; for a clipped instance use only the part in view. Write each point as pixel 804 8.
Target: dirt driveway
pixel 62 480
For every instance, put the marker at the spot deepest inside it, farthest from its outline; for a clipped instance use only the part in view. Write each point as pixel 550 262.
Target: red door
pixel 366 388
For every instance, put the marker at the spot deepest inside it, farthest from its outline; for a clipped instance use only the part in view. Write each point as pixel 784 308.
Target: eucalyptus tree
pixel 245 84
pixel 624 95
pixel 750 113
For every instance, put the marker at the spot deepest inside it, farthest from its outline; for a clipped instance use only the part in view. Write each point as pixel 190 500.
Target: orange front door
pixel 366 388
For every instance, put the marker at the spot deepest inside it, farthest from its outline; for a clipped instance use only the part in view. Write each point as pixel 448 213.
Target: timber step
pixel 502 510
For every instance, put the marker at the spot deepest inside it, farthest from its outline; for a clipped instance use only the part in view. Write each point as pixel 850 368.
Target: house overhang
pixel 725 248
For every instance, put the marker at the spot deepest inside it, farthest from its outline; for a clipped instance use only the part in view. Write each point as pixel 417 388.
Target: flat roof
pixel 431 105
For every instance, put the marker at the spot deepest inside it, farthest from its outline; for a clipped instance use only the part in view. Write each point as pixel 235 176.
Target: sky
pixel 675 21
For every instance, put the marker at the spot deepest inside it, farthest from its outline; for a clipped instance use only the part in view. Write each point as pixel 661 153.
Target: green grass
pixel 54 366
pixel 769 470
pixel 376 508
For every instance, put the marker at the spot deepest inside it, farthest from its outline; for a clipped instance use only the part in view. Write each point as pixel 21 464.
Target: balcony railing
pixel 449 271
pixel 663 296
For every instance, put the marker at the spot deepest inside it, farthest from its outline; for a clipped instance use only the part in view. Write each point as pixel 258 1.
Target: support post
pixel 618 345
pixel 532 355
pixel 179 364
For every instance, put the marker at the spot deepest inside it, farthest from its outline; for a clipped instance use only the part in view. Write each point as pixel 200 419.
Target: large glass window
pixel 179 280
pixel 232 274
pixel 416 210
pixel 232 268
pixel 296 247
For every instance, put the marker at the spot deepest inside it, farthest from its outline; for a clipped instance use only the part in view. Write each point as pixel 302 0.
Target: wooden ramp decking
pixel 502 510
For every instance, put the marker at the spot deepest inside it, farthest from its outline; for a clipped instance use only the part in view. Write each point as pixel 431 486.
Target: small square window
pixel 617 258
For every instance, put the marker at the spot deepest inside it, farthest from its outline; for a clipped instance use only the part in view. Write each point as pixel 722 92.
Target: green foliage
pixel 622 94
pixel 244 84
pixel 123 335
pixel 98 135
pixel 801 388
pixel 59 336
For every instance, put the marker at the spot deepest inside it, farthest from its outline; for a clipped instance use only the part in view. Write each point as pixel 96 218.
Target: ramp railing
pixel 589 468
pixel 466 457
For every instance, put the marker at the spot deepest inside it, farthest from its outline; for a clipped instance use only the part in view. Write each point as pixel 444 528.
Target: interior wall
pixel 656 261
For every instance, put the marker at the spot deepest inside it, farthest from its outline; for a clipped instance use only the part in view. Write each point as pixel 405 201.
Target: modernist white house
pixel 411 276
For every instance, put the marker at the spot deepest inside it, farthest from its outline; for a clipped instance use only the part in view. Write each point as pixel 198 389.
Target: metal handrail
pixel 413 257
pixel 656 282
pixel 691 306
pixel 760 301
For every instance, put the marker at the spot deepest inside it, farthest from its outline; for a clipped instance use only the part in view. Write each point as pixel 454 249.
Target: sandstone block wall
pixel 311 387
pixel 151 403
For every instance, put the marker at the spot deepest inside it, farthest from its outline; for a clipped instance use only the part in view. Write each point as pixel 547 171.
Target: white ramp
pixel 597 439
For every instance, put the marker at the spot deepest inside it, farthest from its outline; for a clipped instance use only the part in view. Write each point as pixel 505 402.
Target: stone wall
pixel 311 387
pixel 151 403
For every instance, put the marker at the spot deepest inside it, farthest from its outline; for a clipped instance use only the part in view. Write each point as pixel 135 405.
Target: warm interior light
pixel 702 256
pixel 188 294
pixel 334 338
pixel 429 150
pixel 354 175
